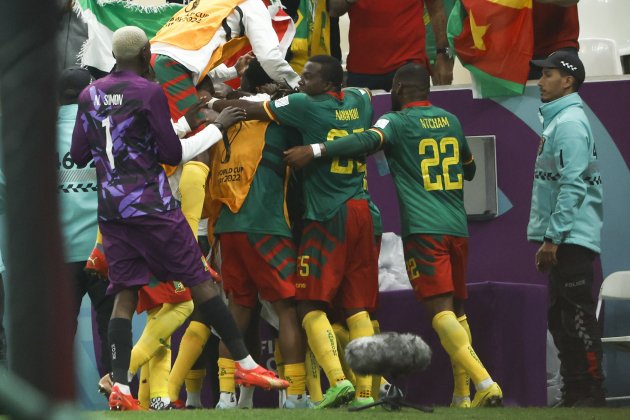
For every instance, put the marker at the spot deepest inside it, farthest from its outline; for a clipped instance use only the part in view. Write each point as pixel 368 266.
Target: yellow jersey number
pixel 336 167
pixel 438 150
pixel 303 267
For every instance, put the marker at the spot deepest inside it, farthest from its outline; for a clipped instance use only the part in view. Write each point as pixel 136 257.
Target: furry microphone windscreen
pixel 388 354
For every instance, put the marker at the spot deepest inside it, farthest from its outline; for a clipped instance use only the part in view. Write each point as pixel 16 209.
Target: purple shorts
pixel 161 244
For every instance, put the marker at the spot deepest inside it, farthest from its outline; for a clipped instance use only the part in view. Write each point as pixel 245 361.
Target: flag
pixel 104 18
pixel 282 25
pixel 494 40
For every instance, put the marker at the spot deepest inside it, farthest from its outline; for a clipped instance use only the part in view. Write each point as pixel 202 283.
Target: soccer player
pixel 429 159
pixel 195 42
pixel 337 258
pixel 257 250
pixel 123 124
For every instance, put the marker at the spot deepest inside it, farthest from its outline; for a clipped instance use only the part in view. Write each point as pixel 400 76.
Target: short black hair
pixel 331 69
pixel 414 74
pixel 255 76
pixel 576 83
pixel 72 81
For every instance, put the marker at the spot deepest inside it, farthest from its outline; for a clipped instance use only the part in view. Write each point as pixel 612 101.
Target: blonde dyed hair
pixel 128 41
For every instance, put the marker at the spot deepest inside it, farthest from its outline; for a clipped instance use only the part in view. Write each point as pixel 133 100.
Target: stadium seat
pixel 615 287
pixel 606 19
pixel 600 57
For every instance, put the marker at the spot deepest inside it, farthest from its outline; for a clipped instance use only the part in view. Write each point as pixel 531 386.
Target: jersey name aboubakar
pixel 328 183
pixel 425 149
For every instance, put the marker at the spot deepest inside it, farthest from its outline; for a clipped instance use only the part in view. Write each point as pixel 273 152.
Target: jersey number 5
pixel 438 153
pixel 336 167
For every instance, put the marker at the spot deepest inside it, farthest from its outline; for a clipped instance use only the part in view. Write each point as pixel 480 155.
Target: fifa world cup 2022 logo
pixel 191 6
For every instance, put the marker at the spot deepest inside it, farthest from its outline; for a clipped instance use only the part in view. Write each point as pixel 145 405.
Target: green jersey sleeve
pixel 290 110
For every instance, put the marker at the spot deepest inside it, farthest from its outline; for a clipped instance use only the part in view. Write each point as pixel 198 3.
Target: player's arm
pixel 80 148
pixel 354 145
pixel 264 42
pixel 172 150
pixel 468 161
pixel 571 156
pixel 169 147
pixel 291 110
pixel 253 110
pixel 223 73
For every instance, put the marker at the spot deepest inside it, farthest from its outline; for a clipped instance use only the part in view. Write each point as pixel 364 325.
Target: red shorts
pixel 253 264
pixel 338 258
pixel 156 293
pixel 436 264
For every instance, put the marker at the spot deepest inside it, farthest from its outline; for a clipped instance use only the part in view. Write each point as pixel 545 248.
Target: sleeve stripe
pixel 380 135
pixel 270 112
pixel 472 159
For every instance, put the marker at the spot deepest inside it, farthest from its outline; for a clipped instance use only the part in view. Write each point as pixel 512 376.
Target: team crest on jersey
pixel 179 287
pixel 279 103
pixel 541 145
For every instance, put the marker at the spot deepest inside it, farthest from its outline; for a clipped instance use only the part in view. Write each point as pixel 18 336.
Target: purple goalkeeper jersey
pixel 124 124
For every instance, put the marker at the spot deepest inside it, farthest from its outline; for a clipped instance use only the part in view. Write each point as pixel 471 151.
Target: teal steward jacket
pixel 567 193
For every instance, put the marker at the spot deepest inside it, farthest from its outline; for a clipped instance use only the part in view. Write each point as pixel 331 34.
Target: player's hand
pixel 195 116
pixel 243 63
pixel 546 256
pixel 230 116
pixel 442 73
pixel 298 157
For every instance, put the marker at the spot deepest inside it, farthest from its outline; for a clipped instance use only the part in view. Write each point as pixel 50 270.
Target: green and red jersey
pixel 328 184
pixel 425 149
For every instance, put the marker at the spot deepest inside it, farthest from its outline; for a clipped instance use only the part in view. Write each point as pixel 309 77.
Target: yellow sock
pixel 143 387
pixel 192 186
pixel 194 380
pixel 321 340
pixel 161 324
pixel 295 374
pixel 313 381
pixel 190 349
pixel 343 338
pixel 277 355
pixel 159 367
pixel 377 380
pixel 226 375
pixel 461 380
pixel 360 325
pixel 455 341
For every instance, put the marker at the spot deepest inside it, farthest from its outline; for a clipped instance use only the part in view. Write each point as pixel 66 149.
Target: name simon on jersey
pixel 347 114
pixel 115 99
pixel 437 122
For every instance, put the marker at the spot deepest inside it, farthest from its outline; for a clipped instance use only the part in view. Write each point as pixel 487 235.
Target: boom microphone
pixel 388 354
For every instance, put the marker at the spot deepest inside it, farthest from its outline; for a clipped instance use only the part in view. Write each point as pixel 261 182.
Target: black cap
pixel 567 61
pixel 72 81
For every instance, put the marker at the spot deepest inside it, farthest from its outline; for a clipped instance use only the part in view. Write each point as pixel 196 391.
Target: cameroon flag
pixel 494 40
